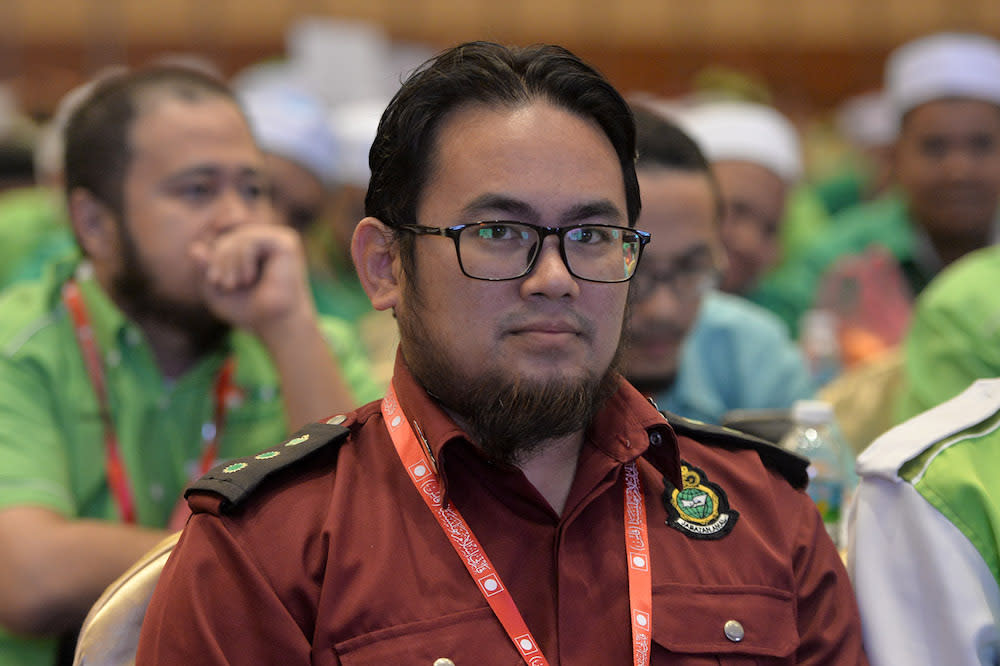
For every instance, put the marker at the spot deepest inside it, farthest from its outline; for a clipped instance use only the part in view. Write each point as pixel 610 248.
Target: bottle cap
pixel 812 412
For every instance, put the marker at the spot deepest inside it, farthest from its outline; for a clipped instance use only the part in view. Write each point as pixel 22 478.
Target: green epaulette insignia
pixel 236 479
pixel 700 509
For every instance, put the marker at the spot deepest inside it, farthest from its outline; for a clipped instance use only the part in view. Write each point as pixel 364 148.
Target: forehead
pixel 169 133
pixel 678 208
pixel 538 154
pixel 951 115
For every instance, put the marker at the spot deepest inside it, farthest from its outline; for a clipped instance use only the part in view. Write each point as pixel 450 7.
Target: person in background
pixel 924 554
pixel 303 153
pixel 186 335
pixel 945 91
pixel 500 230
pixel 698 352
pixel 756 158
pixel 34 227
pixel 954 335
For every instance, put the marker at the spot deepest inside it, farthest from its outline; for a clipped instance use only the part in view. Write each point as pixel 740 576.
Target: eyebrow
pixel 603 208
pixel 211 170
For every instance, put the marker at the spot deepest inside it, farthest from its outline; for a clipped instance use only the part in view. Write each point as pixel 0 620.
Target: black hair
pixel 660 143
pixel 485 73
pixel 98 147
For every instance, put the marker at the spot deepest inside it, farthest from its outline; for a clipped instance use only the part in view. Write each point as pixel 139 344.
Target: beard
pixel 509 417
pixel 136 291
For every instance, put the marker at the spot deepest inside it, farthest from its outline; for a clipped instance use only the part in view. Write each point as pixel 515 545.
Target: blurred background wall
pixel 808 52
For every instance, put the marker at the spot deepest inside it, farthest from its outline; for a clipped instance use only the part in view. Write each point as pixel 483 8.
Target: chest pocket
pixel 467 637
pixel 729 626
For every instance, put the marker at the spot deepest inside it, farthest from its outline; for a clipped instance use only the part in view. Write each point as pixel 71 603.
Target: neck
pixel 174 349
pixel 552 469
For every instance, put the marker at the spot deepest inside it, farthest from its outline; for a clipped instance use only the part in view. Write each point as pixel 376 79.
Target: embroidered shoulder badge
pixel 700 509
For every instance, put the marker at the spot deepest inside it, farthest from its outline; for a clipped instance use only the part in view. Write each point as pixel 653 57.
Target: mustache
pixel 653 331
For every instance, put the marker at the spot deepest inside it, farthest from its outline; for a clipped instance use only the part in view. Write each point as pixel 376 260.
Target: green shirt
pixel 52 439
pixel 791 290
pixel 957 475
pixel 954 335
pixel 33 231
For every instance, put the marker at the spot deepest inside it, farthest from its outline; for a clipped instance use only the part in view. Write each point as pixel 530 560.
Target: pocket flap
pixel 725 620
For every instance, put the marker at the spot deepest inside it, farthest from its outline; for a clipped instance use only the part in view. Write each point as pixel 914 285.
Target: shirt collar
pixel 627 426
pixel 115 333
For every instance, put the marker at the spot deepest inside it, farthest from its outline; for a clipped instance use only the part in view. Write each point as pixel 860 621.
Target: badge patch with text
pixel 700 509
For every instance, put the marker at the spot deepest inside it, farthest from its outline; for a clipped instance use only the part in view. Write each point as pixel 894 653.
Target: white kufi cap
pixel 746 132
pixel 355 125
pixel 292 123
pixel 941 66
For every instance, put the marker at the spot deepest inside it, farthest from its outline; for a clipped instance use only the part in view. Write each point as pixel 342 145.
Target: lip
pixel 546 328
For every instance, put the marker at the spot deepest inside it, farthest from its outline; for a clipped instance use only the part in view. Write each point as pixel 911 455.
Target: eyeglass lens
pixel 503 250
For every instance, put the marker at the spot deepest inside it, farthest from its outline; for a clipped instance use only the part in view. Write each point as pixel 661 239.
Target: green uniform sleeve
pixel 345 342
pixel 954 335
pixel 35 469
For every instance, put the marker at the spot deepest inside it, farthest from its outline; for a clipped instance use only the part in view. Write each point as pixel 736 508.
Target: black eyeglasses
pixel 507 250
pixel 687 281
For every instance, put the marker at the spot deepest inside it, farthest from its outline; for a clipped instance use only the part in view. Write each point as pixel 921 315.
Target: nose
pixel 550 277
pixel 233 209
pixel 660 303
pixel 959 163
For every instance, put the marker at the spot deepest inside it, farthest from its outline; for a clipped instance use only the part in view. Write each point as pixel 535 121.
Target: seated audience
pixel 924 550
pixel 756 159
pixel 186 335
pixel 501 221
pixel 698 352
pixel 945 90
pixel 954 334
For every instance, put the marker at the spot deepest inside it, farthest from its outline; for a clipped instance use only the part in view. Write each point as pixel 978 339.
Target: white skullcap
pixel 868 119
pixel 943 65
pixel 291 123
pixel 355 124
pixel 746 132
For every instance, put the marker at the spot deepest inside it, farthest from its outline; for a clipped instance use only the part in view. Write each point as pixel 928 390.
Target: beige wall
pixel 818 50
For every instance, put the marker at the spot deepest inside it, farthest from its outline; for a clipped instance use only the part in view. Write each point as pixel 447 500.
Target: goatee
pixel 508 417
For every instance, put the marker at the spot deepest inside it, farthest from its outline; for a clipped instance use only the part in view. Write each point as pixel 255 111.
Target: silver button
pixel 655 438
pixel 337 420
pixel 733 630
pixel 444 661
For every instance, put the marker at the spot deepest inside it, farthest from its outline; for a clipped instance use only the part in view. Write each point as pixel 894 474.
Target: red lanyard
pixel 424 476
pixel 118 481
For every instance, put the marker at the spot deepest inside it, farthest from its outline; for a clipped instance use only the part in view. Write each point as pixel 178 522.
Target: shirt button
pixel 733 630
pixel 655 438
pixel 444 661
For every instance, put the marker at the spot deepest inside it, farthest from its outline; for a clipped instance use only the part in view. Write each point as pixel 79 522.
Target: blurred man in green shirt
pixel 188 335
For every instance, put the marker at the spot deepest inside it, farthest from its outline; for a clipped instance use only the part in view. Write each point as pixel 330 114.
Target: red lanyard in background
pixel 424 476
pixel 118 481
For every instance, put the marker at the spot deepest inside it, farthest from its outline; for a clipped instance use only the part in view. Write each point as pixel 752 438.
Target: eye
pixel 499 231
pixel 593 235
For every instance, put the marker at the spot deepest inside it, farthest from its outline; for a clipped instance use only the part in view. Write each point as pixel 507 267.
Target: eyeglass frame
pixel 710 276
pixel 455 231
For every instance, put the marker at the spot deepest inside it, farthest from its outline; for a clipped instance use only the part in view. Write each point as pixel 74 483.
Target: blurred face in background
pixel 948 164
pixel 679 209
pixel 753 206
pixel 298 196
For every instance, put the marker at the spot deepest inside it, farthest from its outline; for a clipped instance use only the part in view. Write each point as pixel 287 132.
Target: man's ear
pixel 94 225
pixel 376 259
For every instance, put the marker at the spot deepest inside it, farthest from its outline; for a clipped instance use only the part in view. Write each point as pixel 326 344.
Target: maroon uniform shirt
pixel 336 559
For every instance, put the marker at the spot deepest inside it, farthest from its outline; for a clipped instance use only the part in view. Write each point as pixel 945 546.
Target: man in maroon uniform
pixel 512 498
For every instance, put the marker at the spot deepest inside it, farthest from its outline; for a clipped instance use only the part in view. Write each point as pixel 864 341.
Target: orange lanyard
pixel 424 475
pixel 118 481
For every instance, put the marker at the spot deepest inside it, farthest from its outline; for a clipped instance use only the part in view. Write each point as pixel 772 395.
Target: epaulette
pixel 236 479
pixel 790 465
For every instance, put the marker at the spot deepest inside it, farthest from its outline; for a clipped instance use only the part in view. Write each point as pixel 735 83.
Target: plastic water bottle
pixel 819 339
pixel 832 479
